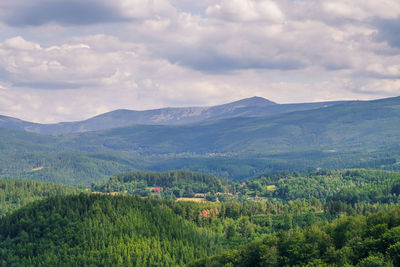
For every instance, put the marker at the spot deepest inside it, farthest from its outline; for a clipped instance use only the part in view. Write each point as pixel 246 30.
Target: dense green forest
pixel 104 230
pixel 101 230
pixel 14 194
pixel 268 213
pixel 372 240
pixel 172 184
pixel 351 186
pixel 270 203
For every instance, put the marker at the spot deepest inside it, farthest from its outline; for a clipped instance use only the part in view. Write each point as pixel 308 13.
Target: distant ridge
pixel 255 101
pixel 357 134
pixel 248 107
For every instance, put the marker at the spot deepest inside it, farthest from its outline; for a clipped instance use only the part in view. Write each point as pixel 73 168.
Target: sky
pixel 67 60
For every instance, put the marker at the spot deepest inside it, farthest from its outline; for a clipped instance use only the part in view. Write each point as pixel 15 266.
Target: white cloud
pixel 19 43
pixel 144 9
pixel 246 10
pixel 363 9
pixel 72 64
pixel 385 71
pixel 75 12
pixel 387 86
pixel 149 54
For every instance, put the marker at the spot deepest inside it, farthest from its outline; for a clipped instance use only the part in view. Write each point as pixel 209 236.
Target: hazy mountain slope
pixel 26 155
pixel 15 124
pixel 347 126
pixel 19 141
pixel 58 166
pixel 250 107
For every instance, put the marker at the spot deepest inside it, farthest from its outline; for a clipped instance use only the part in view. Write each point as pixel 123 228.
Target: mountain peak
pixel 254 101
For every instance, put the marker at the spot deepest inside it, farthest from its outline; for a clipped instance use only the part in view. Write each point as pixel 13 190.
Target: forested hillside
pixel 105 230
pixel 14 194
pixel 101 230
pixel 372 240
pixel 277 214
pixel 282 201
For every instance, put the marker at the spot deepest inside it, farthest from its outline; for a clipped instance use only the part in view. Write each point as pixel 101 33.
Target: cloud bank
pixel 68 60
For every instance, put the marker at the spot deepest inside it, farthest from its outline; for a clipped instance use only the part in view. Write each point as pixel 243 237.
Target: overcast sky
pixel 64 60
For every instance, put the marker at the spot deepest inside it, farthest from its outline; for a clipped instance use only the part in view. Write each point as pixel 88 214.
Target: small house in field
pixel 156 189
pixel 243 183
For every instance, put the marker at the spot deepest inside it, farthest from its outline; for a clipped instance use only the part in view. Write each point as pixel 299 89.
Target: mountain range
pixel 249 107
pixel 335 135
pixel 346 126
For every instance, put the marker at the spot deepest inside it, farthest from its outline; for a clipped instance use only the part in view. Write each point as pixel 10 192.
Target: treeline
pixel 14 194
pixel 372 240
pixel 101 230
pixel 240 222
pixel 349 186
pixel 173 183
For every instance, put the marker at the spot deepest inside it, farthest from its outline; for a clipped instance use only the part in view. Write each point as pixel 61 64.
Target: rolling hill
pixel 101 230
